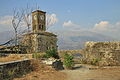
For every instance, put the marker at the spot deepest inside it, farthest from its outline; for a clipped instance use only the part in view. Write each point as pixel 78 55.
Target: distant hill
pixel 76 39
pixel 5 36
pixel 67 39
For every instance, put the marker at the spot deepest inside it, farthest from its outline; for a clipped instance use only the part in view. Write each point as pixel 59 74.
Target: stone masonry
pixel 103 53
pixel 39 42
pixel 10 70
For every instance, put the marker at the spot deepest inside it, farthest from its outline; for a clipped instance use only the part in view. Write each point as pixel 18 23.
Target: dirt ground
pixel 80 72
pixel 86 72
pixel 43 76
pixel 43 72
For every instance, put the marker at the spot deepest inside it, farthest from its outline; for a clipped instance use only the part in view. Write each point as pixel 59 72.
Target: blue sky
pixel 77 13
pixel 84 12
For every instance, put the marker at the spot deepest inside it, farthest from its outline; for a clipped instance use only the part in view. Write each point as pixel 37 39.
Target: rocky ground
pixel 87 72
pixel 45 75
pixel 43 72
pixel 80 72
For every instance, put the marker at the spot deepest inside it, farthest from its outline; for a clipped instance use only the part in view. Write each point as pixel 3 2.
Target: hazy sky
pixel 94 15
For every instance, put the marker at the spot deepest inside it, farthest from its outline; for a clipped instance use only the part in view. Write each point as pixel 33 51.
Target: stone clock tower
pixel 39 40
pixel 38 21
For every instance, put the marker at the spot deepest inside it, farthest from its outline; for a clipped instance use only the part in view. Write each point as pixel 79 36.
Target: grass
pixel 14 57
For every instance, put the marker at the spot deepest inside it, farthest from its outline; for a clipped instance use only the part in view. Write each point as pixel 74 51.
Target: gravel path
pixel 86 72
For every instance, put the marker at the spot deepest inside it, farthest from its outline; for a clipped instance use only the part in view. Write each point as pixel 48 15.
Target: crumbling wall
pixel 39 42
pixel 10 70
pixel 103 53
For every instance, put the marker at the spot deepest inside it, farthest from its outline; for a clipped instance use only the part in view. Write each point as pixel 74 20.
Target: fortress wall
pixel 104 53
pixel 10 70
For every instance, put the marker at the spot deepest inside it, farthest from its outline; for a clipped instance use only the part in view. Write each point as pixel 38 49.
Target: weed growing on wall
pixel 95 61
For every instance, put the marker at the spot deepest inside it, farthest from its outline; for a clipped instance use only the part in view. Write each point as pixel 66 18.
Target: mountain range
pixel 67 40
pixel 76 39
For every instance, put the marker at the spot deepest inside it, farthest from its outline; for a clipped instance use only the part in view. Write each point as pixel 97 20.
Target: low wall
pixel 62 52
pixel 10 70
pixel 102 53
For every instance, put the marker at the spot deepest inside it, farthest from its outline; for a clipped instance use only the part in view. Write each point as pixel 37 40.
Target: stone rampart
pixel 102 53
pixel 10 70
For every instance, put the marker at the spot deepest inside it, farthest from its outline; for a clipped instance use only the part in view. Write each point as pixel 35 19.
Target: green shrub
pixel 36 55
pixel 45 56
pixel 51 53
pixel 68 61
pixel 95 61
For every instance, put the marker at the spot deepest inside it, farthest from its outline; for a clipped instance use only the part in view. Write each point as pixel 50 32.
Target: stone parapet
pixel 10 70
pixel 103 53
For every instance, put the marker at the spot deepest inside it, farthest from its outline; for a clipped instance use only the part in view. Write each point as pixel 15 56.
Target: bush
pixel 51 53
pixel 95 61
pixel 36 55
pixel 68 61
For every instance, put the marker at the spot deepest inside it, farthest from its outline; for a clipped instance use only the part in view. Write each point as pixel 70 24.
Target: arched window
pixel 42 27
pixel 34 27
pixel 39 27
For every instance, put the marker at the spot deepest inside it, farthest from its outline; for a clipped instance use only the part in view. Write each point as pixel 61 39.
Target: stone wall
pixel 39 42
pixel 72 52
pixel 102 53
pixel 10 70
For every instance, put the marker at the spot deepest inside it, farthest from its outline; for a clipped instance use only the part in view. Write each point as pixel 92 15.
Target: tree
pixel 28 22
pixel 50 20
pixel 16 20
pixel 27 17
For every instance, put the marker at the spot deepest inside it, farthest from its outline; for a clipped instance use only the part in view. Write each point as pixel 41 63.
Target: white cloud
pixel 5 20
pixel 102 26
pixel 5 23
pixel 118 24
pixel 51 19
pixel 107 28
pixel 70 24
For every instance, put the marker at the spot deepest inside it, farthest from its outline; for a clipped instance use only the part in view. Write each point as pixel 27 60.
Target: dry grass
pixel 2 46
pixel 61 52
pixel 42 72
pixel 14 57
